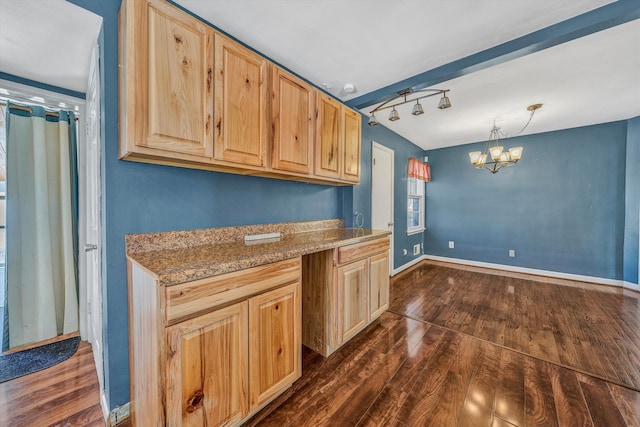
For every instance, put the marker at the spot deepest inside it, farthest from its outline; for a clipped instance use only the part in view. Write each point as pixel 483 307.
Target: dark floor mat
pixel 26 362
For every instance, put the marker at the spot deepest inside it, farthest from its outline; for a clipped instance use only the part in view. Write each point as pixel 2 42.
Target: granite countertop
pixel 172 265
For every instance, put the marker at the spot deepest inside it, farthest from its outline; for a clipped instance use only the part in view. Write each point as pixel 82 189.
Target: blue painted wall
pixel 562 208
pixel 632 202
pixel 403 149
pixel 140 198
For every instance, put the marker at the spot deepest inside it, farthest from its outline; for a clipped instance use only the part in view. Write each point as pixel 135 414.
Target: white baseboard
pixel 407 265
pixel 105 406
pixel 537 272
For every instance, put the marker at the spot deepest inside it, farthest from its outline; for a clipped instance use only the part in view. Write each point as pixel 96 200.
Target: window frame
pixel 418 195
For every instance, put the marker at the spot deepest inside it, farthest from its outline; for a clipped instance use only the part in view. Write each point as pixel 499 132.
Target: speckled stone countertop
pixel 183 256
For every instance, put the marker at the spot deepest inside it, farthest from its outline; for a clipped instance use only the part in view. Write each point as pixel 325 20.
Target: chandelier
pixel 495 157
pixel 407 96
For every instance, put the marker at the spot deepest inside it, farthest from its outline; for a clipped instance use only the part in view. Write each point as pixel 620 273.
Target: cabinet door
pixel 329 137
pixel 275 319
pixel 352 142
pixel 353 299
pixel 174 87
pixel 207 369
pixel 292 109
pixel 379 284
pixel 241 108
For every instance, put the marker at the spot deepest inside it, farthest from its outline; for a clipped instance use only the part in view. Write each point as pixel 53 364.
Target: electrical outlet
pixel 404 252
pixel 416 249
pixel 451 244
pixel 512 253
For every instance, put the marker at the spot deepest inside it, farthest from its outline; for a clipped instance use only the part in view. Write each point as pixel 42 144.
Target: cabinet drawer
pixel 362 250
pixel 192 298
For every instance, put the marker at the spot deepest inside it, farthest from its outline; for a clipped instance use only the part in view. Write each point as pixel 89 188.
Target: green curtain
pixel 42 232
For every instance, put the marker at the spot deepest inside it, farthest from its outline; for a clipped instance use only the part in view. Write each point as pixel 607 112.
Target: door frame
pixel 90 205
pixel 377 146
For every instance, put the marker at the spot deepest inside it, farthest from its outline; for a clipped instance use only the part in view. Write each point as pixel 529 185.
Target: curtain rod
pixel 46 113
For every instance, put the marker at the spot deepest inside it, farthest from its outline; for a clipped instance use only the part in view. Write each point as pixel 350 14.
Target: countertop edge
pixel 172 277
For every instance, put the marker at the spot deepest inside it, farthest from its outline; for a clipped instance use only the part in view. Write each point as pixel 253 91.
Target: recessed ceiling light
pixel 349 88
pixel 37 99
pixel 4 91
pixel 326 86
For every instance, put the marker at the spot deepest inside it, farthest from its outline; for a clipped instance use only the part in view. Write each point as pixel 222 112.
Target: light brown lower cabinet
pixel 343 291
pixel 215 351
pixel 275 345
pixel 207 368
pixel 353 292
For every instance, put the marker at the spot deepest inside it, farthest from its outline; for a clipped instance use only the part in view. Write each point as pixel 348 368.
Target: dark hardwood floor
pixel 439 357
pixel 404 372
pixel 590 328
pixel 67 394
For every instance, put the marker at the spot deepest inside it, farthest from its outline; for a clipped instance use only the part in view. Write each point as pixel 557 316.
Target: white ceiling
pixel 48 41
pixel 375 43
pixel 594 79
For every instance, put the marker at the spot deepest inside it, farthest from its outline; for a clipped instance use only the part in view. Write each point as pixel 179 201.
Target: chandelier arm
pixel 524 127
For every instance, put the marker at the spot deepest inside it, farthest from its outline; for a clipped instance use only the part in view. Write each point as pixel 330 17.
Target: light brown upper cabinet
pixel 241 83
pixel 166 78
pixel 352 143
pixel 292 118
pixel 192 97
pixel 338 141
pixel 329 140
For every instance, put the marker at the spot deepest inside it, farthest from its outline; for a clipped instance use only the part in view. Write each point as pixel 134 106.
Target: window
pixel 415 206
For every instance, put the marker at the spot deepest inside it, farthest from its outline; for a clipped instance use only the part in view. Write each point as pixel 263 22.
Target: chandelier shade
pixel 495 157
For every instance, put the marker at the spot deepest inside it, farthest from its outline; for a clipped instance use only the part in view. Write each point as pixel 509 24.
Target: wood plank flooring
pixel 590 328
pixel 404 372
pixel 67 394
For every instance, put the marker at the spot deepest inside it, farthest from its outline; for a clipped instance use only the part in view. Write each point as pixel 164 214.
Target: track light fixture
pixel 417 109
pixel 407 96
pixel 393 115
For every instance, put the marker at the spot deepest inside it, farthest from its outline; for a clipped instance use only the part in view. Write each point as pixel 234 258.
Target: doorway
pixel 382 181
pixel 88 134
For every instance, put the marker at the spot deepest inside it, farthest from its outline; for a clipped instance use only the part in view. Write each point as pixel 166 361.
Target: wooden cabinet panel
pixel 353 299
pixel 192 298
pixel 352 143
pixel 166 59
pixel 329 137
pixel 241 110
pixel 292 109
pixel 207 368
pixel 362 250
pixel 343 290
pixel 378 284
pixel 275 328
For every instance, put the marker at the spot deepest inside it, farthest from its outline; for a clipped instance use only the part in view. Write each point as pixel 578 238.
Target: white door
pixel 90 244
pixel 382 191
